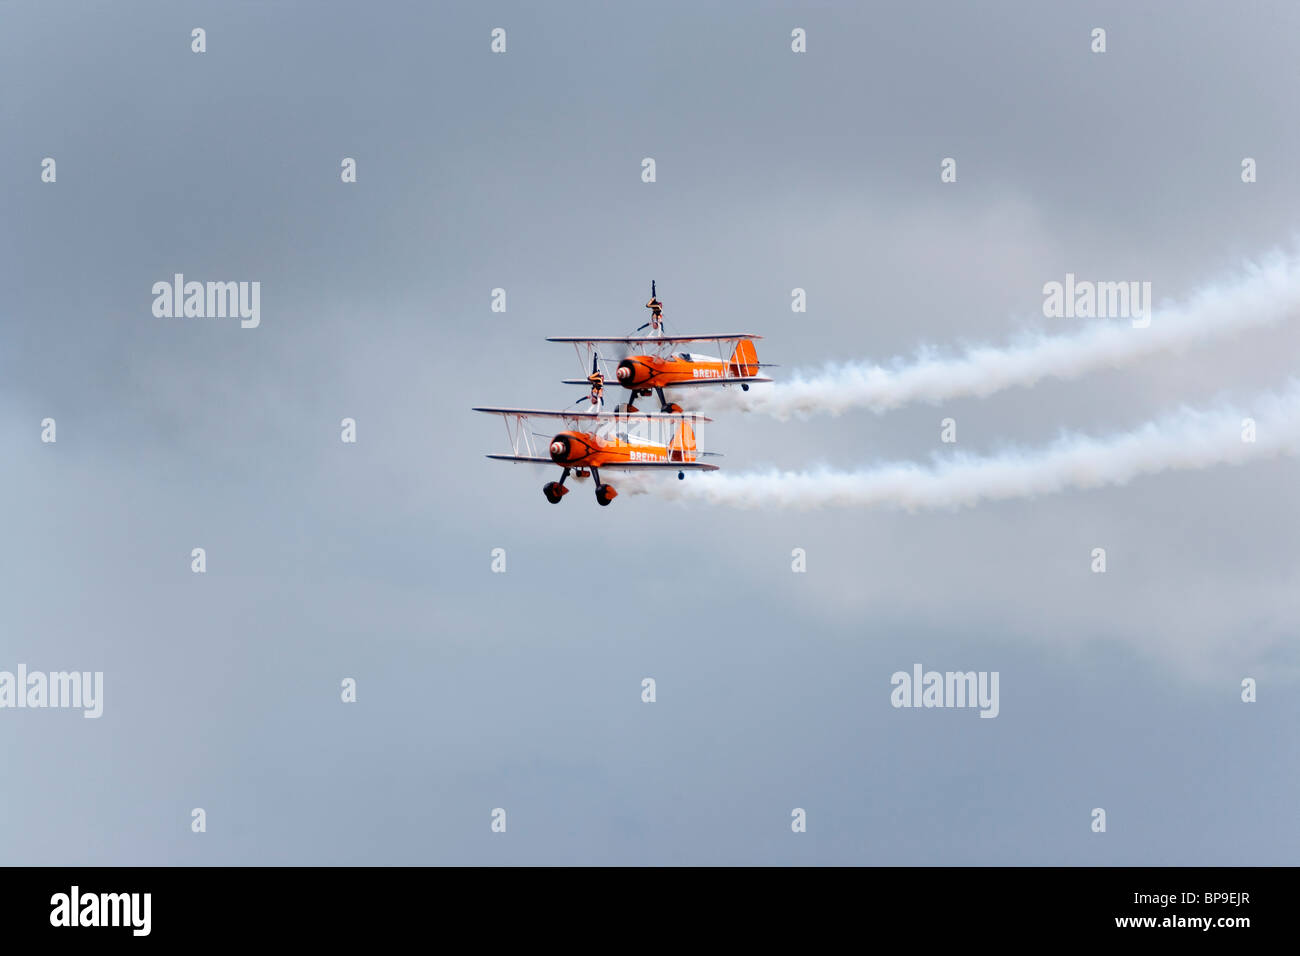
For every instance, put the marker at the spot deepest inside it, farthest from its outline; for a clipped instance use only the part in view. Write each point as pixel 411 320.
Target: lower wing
pixel 660 465
pixel 535 461
pixel 728 380
pixel 617 466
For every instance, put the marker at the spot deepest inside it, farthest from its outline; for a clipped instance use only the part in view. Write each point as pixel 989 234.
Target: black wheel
pixel 744 387
pixel 604 494
pixel 681 476
pixel 551 490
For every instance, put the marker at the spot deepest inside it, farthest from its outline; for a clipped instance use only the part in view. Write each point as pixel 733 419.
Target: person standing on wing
pixel 656 312
pixel 597 394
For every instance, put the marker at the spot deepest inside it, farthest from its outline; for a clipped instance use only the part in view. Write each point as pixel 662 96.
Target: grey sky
pixel 522 690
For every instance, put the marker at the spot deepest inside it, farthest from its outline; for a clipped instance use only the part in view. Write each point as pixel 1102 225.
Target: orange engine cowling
pixel 561 448
pixel 632 373
pixel 570 447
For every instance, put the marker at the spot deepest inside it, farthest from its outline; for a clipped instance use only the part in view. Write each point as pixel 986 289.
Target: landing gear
pixel 744 387
pixel 555 490
pixel 604 493
pixel 681 476
pixel 667 406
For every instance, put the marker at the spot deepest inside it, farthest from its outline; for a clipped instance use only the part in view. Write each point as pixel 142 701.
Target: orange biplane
pixel 594 441
pixel 652 365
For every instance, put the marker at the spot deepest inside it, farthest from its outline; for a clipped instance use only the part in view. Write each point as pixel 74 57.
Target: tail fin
pixel 682 447
pixel 744 361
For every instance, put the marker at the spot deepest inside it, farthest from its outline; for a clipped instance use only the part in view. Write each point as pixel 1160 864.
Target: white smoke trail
pixel 1262 295
pixel 1189 439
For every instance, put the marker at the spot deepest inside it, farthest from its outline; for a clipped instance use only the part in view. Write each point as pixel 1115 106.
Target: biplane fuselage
pixel 654 371
pixel 580 449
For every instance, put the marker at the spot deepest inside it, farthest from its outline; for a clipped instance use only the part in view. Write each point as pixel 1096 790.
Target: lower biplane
pixel 595 441
pixel 650 365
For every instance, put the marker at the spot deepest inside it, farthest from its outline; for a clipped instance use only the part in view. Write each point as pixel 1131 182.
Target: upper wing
pixel 590 416
pixel 622 466
pixel 733 380
pixel 653 339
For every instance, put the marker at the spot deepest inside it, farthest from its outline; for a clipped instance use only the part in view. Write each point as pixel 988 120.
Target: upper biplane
pixel 594 440
pixel 649 364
